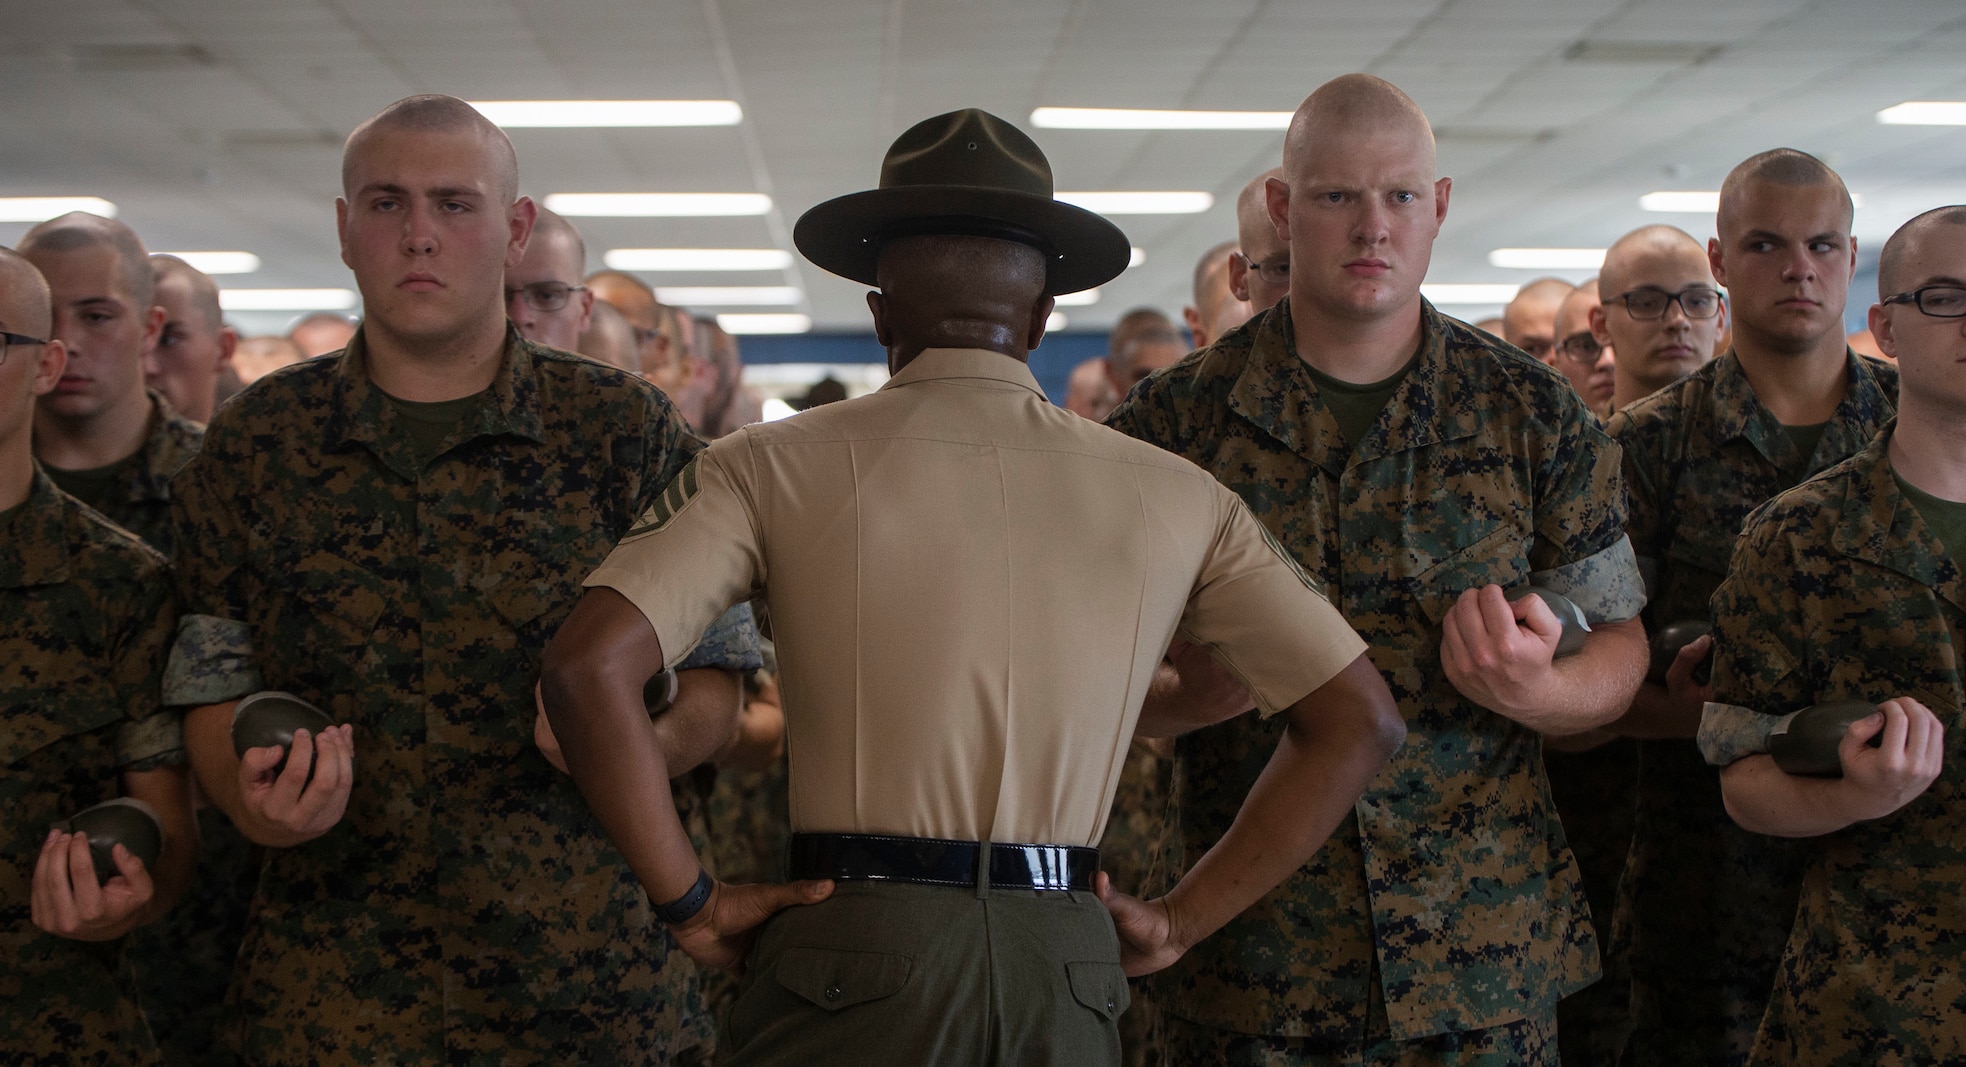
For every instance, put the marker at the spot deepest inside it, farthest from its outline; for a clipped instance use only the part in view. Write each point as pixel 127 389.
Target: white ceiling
pixel 216 124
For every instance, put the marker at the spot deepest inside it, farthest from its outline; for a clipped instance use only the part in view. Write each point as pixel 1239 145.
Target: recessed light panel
pixel 1547 258
pixel 43 208
pixel 1925 113
pixel 761 323
pixel 689 259
pixel 286 299
pixel 219 262
pixel 657 205
pixel 1141 203
pixel 728 295
pixel 1112 118
pixel 1475 293
pixel 565 114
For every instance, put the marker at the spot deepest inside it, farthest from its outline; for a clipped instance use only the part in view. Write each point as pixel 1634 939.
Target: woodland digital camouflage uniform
pixel 142 504
pixel 85 621
pixel 467 906
pixel 1133 853
pixel 1706 906
pixel 1839 591
pixel 1448 900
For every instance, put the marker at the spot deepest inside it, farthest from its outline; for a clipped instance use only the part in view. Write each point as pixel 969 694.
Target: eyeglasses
pixel 9 340
pixel 1275 270
pixel 1580 348
pixel 1938 301
pixel 1698 302
pixel 545 296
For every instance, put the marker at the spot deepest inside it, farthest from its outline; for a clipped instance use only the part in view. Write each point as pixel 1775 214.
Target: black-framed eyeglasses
pixel 545 296
pixel 9 339
pixel 1938 301
pixel 1697 302
pixel 1275 270
pixel 1580 348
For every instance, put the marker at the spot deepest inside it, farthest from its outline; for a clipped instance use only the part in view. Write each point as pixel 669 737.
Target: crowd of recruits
pixel 1382 948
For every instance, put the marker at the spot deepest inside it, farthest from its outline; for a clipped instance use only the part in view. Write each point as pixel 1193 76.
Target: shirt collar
pixel 1881 526
pixel 945 364
pixel 361 413
pixel 1739 413
pixel 34 543
pixel 1276 392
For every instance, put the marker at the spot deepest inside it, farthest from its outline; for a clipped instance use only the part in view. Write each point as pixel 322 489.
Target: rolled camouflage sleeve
pixel 731 644
pixel 211 656
pixel 1580 548
pixel 151 736
pixel 1758 676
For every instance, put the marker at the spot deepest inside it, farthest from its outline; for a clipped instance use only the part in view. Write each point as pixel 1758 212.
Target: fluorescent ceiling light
pixel 775 409
pixel 516 114
pixel 219 262
pixel 1687 201
pixel 286 299
pixel 1056 322
pixel 1547 258
pixel 1138 257
pixel 1082 298
pixel 42 208
pixel 1925 113
pixel 729 295
pixel 1479 293
pixel 765 323
pixel 681 259
pixel 657 205
pixel 1117 118
pixel 1131 203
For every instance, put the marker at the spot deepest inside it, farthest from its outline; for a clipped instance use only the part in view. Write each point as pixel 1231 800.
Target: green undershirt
pixel 7 516
pixel 1804 440
pixel 1356 407
pixel 94 486
pixel 429 423
pixel 1947 518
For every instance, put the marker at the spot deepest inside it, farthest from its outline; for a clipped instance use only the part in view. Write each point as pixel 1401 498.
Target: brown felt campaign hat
pixel 964 173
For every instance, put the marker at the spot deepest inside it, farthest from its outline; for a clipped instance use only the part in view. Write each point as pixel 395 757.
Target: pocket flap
pixel 834 978
pixel 1099 986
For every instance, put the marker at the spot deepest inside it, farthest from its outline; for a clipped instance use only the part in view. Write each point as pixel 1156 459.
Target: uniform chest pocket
pixel 1499 557
pixel 323 601
pixel 42 715
pixel 535 587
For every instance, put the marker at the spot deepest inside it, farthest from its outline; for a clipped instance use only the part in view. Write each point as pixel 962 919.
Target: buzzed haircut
pixel 1141 321
pixel 1354 102
pixel 1781 166
pixel 622 276
pixel 1216 258
pixel 19 276
pixel 1891 262
pixel 79 229
pixel 553 222
pixel 1253 204
pixel 436 113
pixel 204 291
pixel 1611 278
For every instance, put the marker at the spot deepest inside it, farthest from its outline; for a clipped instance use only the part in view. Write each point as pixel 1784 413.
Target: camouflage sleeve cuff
pixel 731 644
pixel 1729 732
pixel 1606 586
pixel 151 742
pixel 211 662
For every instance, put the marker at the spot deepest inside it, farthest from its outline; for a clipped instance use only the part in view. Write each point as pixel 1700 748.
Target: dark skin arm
pixel 591 688
pixel 1336 740
pixel 701 724
pixel 1190 690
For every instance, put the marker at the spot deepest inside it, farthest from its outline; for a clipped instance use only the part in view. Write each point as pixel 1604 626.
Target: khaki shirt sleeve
pixel 1263 617
pixel 696 551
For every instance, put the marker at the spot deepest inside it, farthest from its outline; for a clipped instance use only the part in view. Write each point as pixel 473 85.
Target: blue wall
pixel 1052 363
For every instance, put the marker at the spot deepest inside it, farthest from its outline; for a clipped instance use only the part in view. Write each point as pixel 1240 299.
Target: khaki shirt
pixel 970 589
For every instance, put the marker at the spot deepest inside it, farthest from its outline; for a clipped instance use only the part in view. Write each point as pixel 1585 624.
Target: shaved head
pixel 1779 167
pixel 1893 273
pixel 1256 234
pixel 1529 320
pixel 553 226
pixel 1658 240
pixel 629 295
pixel 78 230
pixel 609 339
pixel 1354 105
pixel 435 113
pixel 25 305
pixel 203 290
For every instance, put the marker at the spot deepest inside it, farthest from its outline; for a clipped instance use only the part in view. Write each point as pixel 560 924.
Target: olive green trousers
pixel 891 974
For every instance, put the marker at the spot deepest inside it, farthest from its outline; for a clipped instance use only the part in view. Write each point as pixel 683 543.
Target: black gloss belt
pixel 933 861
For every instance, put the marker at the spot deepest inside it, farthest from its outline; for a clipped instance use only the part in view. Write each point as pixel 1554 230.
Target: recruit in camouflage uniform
pixel 1706 906
pixel 467 905
pixel 1840 591
pixel 1449 901
pixel 85 621
pixel 1133 853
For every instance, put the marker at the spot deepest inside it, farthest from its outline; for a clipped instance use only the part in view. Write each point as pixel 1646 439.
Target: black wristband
pixel 685 907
